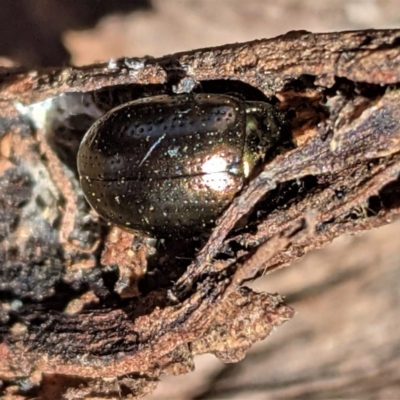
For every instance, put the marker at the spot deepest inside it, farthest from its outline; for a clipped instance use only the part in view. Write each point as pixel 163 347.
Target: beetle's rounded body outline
pixel 169 165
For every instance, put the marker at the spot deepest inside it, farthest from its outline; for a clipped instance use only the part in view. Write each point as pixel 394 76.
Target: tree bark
pixel 67 326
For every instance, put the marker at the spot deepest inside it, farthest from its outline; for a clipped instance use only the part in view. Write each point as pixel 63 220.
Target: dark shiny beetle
pixel 170 165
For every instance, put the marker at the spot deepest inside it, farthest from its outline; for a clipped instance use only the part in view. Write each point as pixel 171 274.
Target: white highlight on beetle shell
pixel 158 141
pixel 246 169
pixel 215 176
pixel 214 164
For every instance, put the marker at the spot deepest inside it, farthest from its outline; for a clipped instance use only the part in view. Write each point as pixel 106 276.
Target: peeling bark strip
pixel 64 325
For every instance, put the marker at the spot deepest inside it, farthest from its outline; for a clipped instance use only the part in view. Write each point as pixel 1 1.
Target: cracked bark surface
pixel 66 332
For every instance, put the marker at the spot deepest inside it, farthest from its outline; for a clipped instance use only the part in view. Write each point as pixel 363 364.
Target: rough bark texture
pixel 69 329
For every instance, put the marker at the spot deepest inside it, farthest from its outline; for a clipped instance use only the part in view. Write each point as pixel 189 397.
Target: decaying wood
pixel 66 330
